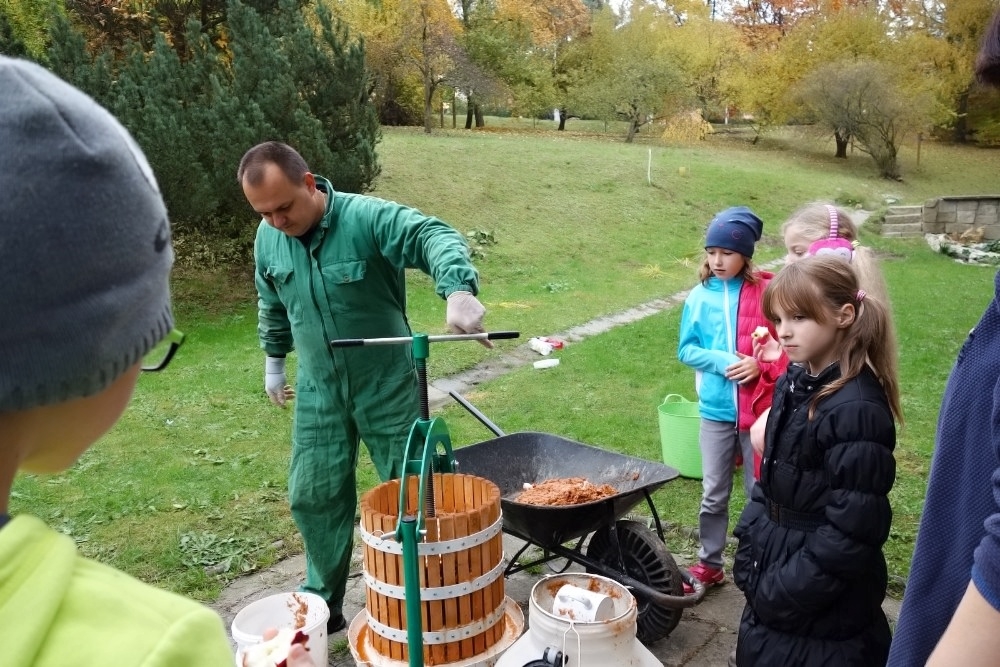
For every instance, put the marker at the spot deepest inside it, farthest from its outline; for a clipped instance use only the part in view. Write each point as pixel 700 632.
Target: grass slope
pixel 188 490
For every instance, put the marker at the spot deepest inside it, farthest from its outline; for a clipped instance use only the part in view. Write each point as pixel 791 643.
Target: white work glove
pixel 465 315
pixel 275 384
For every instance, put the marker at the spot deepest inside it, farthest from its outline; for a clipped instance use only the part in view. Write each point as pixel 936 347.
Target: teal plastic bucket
pixel 679 426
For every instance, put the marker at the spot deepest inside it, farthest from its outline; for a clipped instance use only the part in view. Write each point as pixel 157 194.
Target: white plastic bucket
pixel 280 610
pixel 597 644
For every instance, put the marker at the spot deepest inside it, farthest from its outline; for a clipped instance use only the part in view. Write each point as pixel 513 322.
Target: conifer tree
pixel 154 97
pixel 329 70
pixel 312 90
pixel 25 26
pixel 10 43
pixel 195 111
pixel 68 57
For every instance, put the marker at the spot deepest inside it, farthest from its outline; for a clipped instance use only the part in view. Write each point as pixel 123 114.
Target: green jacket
pixel 58 609
pixel 350 283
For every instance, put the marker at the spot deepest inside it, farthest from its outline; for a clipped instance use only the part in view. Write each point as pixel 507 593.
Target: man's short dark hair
pixel 251 169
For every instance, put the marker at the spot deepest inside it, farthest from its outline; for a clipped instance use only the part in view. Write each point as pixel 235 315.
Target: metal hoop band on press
pixel 381 543
pixel 444 636
pixel 437 592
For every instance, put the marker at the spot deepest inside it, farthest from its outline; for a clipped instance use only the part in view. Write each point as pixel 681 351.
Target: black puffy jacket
pixel 810 556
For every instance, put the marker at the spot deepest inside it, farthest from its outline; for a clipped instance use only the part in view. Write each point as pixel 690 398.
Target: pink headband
pixel 833 244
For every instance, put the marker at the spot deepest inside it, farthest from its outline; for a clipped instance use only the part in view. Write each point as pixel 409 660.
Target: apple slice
pixel 274 651
pixel 760 334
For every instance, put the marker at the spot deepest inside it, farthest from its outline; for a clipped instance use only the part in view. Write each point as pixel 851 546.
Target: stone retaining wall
pixel 954 215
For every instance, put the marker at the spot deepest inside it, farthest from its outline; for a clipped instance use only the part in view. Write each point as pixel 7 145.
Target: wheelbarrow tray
pixel 512 460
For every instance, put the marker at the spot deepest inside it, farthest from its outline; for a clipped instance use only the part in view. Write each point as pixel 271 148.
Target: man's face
pixel 292 208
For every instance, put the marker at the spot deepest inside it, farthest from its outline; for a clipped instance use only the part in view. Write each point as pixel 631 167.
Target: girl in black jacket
pixel 810 556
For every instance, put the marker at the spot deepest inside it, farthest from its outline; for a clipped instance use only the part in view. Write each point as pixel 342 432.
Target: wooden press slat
pixel 434 609
pixel 464 573
pixel 381 610
pixel 493 596
pixel 448 564
pixel 447 504
pixel 412 491
pixel 497 554
pixel 393 616
pixel 477 610
pixel 367 551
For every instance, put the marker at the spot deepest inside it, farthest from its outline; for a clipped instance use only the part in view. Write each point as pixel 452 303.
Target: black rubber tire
pixel 648 560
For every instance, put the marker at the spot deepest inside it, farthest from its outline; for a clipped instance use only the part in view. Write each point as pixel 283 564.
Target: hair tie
pixel 861 295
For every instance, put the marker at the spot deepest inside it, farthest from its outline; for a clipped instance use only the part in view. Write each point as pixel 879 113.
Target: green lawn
pixel 188 490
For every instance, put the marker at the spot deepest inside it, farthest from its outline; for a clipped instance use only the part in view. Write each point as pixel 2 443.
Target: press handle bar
pixel 443 338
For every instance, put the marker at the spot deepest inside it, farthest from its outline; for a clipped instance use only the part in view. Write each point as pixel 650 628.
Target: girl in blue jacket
pixel 720 314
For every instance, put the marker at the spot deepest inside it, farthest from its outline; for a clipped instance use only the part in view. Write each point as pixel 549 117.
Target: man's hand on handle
pixel 465 315
pixel 275 383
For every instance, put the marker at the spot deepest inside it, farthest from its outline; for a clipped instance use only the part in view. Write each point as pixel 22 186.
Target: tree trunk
pixel 473 113
pixel 887 161
pixel 562 119
pixel 633 128
pixel 428 108
pixel 960 134
pixel 842 141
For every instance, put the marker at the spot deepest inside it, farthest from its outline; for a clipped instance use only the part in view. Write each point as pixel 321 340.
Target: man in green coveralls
pixel 332 265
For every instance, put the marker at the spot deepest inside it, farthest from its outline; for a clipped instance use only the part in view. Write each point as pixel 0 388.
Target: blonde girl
pixel 813 224
pixel 821 227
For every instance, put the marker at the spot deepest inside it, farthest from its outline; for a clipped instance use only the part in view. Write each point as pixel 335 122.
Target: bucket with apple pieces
pixel 298 617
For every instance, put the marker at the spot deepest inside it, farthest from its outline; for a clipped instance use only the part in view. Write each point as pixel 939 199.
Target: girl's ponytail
pixel 865 264
pixel 871 340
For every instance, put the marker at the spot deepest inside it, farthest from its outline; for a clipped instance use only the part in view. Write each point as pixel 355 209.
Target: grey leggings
pixel 719 443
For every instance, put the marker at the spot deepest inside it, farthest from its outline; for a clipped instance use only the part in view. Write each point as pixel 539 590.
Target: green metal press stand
pixel 428 450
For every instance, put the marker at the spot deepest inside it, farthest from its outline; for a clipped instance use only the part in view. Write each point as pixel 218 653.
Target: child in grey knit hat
pixel 84 261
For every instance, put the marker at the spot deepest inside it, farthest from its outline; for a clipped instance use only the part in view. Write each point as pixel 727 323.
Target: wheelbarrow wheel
pixel 648 560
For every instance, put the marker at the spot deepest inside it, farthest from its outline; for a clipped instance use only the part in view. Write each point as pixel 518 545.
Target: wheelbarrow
pixel 622 549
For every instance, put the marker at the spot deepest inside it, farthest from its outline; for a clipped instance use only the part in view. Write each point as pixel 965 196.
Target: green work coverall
pixel 348 283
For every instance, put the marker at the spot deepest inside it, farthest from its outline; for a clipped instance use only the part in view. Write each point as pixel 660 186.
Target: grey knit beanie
pixel 85 249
